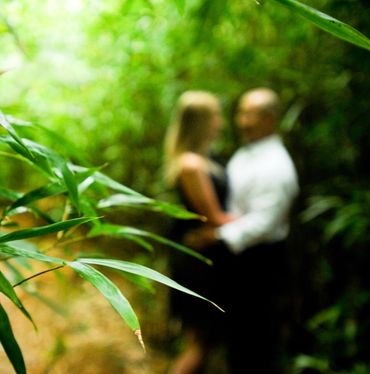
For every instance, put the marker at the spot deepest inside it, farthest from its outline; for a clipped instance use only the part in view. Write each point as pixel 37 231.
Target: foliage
pixel 82 191
pixel 105 77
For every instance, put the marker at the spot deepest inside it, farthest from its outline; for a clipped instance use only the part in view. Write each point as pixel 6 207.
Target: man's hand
pixel 201 238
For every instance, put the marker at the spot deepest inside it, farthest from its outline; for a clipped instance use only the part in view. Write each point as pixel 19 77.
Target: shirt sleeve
pixel 268 208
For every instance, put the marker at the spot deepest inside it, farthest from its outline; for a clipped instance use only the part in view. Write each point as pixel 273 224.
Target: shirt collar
pixel 266 141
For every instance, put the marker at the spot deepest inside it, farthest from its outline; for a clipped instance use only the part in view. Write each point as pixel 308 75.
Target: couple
pixel 247 222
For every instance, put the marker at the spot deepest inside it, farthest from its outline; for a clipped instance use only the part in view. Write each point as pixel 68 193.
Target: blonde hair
pixel 186 133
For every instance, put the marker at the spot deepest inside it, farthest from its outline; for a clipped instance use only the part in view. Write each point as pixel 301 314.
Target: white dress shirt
pixel 263 184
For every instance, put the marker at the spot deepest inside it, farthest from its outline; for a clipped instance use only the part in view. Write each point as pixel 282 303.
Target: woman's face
pixel 215 124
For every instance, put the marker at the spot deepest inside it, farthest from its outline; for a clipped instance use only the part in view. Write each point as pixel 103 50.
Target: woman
pixel 201 185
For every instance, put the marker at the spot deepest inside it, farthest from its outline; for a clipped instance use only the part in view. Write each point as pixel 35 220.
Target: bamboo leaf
pixel 122 200
pixel 16 275
pixel 44 230
pixel 69 180
pixel 5 123
pixel 38 158
pixel 88 208
pixel 144 271
pixel 18 122
pixel 49 162
pixel 120 232
pixel 39 213
pixel 111 183
pixel 68 146
pixel 14 250
pixel 343 219
pixel 329 24
pixel 23 261
pixel 170 243
pixel 139 281
pixel 174 210
pixel 9 343
pixel 126 232
pixel 110 291
pixel 7 289
pixel 143 243
pixel 37 194
pixel 319 205
pixel 63 172
pixel 49 302
pixel 9 194
pixel 142 201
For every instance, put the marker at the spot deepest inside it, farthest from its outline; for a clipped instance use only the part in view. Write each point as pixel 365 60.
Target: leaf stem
pixel 37 274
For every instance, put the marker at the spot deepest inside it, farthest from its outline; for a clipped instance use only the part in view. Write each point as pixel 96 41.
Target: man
pixel 262 177
pixel 263 185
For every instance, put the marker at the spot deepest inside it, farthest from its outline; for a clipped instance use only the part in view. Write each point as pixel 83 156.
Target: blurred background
pixel 104 75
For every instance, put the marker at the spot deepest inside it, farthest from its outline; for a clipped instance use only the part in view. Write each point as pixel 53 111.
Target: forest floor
pixel 85 336
pixel 78 332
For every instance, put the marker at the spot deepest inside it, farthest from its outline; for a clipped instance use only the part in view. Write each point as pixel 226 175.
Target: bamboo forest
pixel 88 240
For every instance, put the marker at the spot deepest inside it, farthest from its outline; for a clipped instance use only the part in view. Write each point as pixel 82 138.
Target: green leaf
pixel 18 122
pixel 40 214
pixel 44 230
pixel 126 232
pixel 143 243
pixel 14 250
pixel 9 343
pixel 118 231
pixel 23 261
pixel 38 158
pixel 16 275
pixel 9 194
pixel 174 210
pixel 87 208
pixel 49 302
pixel 110 291
pixel 111 183
pixel 69 180
pixel 7 289
pixel 139 281
pixel 343 219
pixel 331 25
pixel 144 271
pixel 319 205
pixel 310 362
pixel 5 123
pixel 49 162
pixel 142 201
pixel 37 194
pixel 122 200
pixel 68 146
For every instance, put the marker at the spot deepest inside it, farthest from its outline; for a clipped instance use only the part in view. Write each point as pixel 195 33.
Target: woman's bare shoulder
pixel 190 161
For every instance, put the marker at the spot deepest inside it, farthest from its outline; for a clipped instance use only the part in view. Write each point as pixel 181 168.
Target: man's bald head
pixel 258 113
pixel 264 99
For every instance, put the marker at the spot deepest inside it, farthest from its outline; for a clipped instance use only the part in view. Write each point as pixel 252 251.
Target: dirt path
pixel 87 336
pixel 80 333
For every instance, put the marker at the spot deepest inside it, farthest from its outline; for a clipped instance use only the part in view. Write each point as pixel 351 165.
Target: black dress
pixel 207 280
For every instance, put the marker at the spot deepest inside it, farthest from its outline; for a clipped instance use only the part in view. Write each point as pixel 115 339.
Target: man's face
pixel 252 122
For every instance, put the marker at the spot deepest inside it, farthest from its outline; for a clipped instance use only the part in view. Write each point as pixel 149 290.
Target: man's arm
pixel 265 219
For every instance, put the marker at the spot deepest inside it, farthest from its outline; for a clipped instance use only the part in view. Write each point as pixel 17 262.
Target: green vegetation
pixel 83 192
pixel 98 84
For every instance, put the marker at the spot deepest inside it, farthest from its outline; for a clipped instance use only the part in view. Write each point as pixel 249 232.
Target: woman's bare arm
pixel 198 188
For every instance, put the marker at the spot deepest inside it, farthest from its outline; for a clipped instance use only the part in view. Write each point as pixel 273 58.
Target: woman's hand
pixel 201 238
